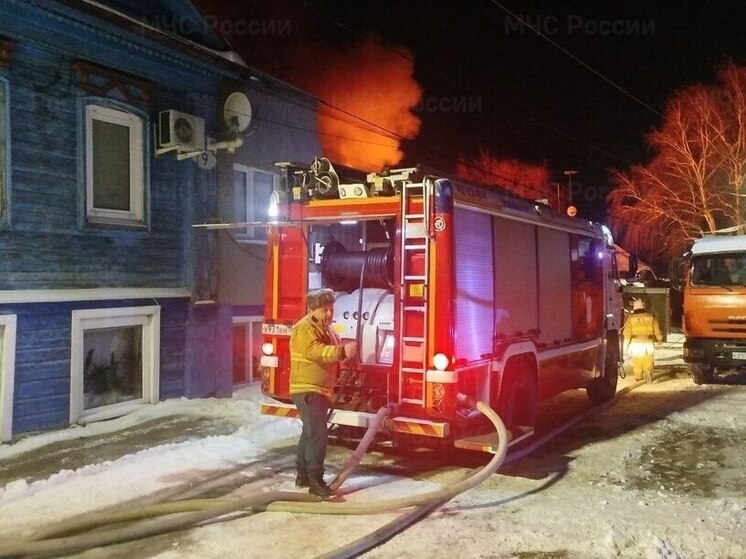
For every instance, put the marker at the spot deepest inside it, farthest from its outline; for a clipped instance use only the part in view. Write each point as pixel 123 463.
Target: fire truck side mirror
pixel 632 265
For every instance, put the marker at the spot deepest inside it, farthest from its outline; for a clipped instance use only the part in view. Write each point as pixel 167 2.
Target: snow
pixel 97 486
pixel 657 475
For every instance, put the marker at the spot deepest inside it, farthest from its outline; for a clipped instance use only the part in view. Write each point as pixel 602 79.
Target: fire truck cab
pixel 454 293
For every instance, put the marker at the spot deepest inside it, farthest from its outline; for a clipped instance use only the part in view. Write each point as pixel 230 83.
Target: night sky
pixel 491 83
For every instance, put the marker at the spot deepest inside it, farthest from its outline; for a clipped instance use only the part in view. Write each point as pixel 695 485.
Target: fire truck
pixel 454 292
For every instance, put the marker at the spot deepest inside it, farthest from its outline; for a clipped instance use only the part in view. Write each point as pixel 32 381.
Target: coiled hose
pixel 200 510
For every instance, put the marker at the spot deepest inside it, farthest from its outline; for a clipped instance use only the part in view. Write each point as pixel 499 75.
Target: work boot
pixel 316 486
pixel 301 479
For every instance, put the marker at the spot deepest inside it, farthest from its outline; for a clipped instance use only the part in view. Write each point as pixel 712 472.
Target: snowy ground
pixel 658 475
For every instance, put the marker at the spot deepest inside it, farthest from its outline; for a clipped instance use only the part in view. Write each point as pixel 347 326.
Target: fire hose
pixel 184 514
pixel 353 549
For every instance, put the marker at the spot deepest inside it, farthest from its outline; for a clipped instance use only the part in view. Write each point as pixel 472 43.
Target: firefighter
pixel 315 351
pixel 641 329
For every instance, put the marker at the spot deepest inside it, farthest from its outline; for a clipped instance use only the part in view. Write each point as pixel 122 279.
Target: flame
pixel 371 84
pixel 376 85
pixel 529 180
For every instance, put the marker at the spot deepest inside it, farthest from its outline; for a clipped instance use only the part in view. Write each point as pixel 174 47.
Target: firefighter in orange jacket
pixel 641 329
pixel 315 350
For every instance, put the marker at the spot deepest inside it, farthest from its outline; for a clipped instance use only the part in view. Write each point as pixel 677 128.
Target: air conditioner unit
pixel 182 131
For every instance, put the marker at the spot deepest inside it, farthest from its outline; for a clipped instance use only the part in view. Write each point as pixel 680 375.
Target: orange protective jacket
pixel 641 326
pixel 314 354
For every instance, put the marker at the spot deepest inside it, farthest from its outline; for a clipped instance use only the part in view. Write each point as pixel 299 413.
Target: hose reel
pixel 340 268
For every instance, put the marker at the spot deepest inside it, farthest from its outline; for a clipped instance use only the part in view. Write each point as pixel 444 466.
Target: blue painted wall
pixel 42 381
pixel 47 242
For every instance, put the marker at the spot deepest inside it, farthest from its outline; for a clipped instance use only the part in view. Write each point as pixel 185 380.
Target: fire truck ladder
pixel 413 291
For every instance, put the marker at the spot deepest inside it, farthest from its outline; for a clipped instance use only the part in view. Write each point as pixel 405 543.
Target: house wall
pixel 283 129
pixel 42 369
pixel 47 245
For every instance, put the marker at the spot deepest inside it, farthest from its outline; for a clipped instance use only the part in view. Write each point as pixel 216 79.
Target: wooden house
pixel 109 298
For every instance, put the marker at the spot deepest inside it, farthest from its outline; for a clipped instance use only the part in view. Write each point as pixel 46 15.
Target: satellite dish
pixel 237 112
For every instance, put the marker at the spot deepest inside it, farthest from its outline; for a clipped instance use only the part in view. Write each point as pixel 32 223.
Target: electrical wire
pixel 364 124
pixel 576 59
pixel 468 87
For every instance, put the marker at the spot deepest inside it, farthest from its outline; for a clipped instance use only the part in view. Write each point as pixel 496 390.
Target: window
pixel 586 269
pixel 114 165
pixel 247 348
pixel 7 374
pixel 115 361
pixel 719 270
pixel 252 189
pixel 4 163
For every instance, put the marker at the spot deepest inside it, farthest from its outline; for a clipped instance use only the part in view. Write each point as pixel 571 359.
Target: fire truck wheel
pixel 519 401
pixel 701 374
pixel 603 388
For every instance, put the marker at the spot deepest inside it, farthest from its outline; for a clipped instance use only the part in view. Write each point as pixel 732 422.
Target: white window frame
pixel 7 375
pixel 150 319
pixel 134 123
pixel 248 235
pixel 245 321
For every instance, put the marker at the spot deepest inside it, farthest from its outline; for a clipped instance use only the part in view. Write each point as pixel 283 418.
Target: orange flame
pixel 376 85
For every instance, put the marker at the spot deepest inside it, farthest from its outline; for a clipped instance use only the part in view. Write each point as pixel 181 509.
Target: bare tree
pixel 693 183
pixel 732 143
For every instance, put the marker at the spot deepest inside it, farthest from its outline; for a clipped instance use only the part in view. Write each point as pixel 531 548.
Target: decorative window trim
pixel 247 236
pixel 249 320
pixel 6 51
pixel 136 125
pixel 5 177
pixel 7 375
pixel 149 318
pixel 9 297
pixel 104 82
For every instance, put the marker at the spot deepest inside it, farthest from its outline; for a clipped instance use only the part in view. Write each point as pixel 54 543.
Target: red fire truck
pixel 451 290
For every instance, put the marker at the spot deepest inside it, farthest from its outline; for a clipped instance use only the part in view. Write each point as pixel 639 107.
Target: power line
pixel 313 131
pixel 576 59
pixel 535 189
pixel 471 89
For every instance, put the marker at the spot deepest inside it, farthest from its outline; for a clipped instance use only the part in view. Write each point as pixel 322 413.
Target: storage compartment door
pixel 475 317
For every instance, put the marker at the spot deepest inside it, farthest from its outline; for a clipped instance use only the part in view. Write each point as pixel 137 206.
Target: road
pixel 659 474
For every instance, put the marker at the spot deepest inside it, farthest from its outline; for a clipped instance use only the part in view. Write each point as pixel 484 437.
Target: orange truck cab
pixel 715 306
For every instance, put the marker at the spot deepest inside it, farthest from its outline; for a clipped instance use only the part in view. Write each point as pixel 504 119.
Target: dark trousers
pixel 313 409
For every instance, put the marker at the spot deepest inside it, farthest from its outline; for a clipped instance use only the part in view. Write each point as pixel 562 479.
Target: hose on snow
pixel 195 511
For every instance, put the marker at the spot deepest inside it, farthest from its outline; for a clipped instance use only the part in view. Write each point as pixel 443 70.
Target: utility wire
pixel 356 119
pixel 310 130
pixel 469 88
pixel 576 59
pixel 530 187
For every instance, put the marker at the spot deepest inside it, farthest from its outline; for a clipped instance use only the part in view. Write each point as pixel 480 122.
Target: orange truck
pixel 714 319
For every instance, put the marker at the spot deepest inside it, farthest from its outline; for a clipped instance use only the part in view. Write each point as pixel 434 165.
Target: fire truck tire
pixel 519 400
pixel 701 373
pixel 603 388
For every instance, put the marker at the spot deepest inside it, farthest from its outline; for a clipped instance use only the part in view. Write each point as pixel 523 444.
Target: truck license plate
pixel 276 329
pixel 739 355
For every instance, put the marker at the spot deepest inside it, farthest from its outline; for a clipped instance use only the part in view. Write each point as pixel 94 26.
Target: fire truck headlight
pixel 273 211
pixel 608 237
pixel 267 348
pixel 440 361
